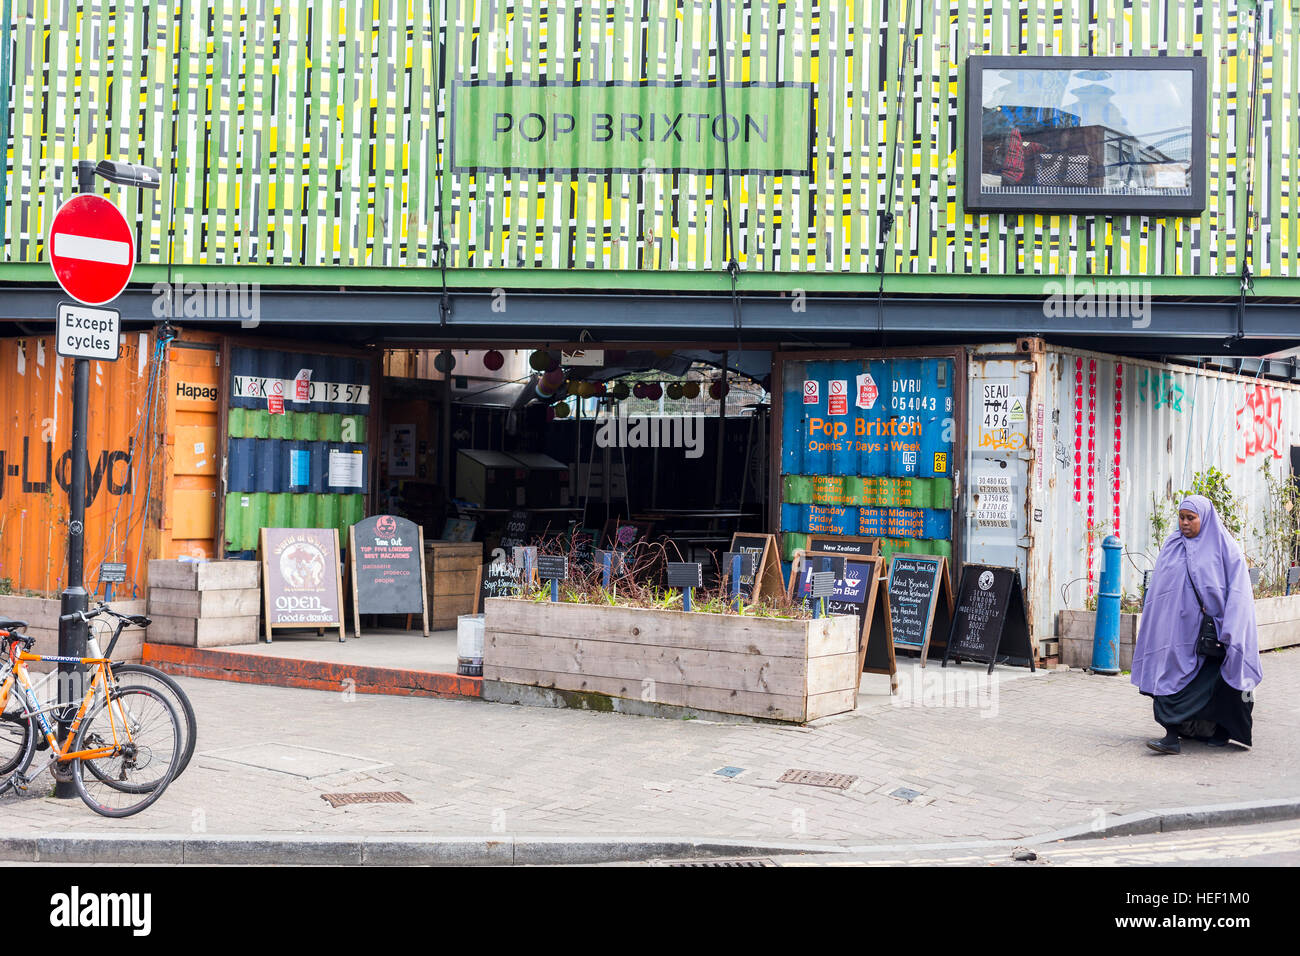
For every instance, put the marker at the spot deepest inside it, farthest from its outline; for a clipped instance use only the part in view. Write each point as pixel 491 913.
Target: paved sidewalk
pixel 1044 752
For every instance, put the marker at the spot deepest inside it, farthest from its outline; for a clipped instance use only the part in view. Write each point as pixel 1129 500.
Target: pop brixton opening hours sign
pixel 631 127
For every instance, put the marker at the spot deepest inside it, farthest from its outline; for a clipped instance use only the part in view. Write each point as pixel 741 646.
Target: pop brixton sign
pixel 874 459
pixel 632 127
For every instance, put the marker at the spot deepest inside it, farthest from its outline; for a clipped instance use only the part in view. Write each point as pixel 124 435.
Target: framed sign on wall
pixel 1085 134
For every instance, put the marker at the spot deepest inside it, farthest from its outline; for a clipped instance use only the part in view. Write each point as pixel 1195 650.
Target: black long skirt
pixel 1209 700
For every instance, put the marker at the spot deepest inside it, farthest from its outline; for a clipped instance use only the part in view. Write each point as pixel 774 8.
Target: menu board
pixel 766 579
pixel 387 557
pixel 920 601
pixel 854 594
pixel 516 532
pixel 498 579
pixel 990 618
pixel 301 581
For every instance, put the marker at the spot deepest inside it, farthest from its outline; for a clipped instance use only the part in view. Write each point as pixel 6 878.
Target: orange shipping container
pixel 132 429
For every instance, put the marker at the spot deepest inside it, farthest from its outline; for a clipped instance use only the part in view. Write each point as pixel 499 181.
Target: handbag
pixel 1208 644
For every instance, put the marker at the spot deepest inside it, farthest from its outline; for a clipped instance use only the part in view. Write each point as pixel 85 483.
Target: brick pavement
pixel 1057 749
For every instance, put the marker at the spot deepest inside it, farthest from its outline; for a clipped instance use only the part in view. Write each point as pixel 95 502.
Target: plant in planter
pixel 633 643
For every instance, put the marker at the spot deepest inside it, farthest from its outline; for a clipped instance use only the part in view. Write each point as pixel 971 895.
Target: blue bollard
pixel 1105 639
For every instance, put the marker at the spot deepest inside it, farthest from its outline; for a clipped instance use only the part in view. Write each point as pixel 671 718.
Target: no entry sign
pixel 91 249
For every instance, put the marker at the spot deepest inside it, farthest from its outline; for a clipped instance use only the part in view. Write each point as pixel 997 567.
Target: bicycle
pixel 139 675
pixel 129 739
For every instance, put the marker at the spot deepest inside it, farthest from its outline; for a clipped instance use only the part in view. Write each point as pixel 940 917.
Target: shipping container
pixel 151 475
pixel 299 443
pixel 1057 449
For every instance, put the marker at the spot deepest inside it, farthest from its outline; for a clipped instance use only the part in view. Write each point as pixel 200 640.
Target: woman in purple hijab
pixel 1207 698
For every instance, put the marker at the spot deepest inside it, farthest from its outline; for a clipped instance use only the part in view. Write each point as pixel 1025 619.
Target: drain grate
pixel 818 778
pixel 751 862
pixel 372 796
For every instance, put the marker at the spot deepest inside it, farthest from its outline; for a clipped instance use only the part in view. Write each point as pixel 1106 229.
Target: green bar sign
pixel 631 128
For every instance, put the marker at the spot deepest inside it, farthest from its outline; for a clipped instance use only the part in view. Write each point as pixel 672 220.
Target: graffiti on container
pixel 1001 440
pixel 30 475
pixel 1160 388
pixel 1063 454
pixel 1259 423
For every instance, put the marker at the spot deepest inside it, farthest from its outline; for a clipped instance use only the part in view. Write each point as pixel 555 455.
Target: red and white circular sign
pixel 91 249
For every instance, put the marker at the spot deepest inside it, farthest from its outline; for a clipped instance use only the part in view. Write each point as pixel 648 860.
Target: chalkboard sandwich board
pixel 766 579
pixel 920 602
pixel 498 579
pixel 301 581
pixel 387 557
pixel 990 618
pixel 854 593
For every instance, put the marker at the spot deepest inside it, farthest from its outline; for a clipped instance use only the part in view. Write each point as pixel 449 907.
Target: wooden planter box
pixel 42 617
pixel 1278 619
pixel 791 670
pixel 452 571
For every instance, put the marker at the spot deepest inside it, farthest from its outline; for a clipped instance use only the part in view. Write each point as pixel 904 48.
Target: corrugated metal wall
pixel 35 463
pixel 285 470
pixel 867 449
pixel 1141 431
pixel 307 133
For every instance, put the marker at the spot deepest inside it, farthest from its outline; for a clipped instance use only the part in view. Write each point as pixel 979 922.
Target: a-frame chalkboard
pixel 856 595
pixel 880 658
pixel 387 562
pixel 766 580
pixel 920 602
pixel 990 624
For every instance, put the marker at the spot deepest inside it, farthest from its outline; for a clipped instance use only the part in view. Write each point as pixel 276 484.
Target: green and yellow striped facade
pixel 311 133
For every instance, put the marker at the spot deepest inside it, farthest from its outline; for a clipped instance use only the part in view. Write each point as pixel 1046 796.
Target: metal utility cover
pixel 758 862
pixel 818 778
pixel 305 762
pixel 374 796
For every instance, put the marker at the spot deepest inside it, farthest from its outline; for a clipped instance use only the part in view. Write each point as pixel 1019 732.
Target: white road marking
pixel 92 249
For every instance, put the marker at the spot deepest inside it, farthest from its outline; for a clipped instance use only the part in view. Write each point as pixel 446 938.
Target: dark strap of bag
pixel 1207 639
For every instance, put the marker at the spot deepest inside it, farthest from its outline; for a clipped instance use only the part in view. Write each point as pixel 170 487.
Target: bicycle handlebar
pixel 102 608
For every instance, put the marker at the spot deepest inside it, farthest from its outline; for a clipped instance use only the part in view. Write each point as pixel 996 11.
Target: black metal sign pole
pixel 72 634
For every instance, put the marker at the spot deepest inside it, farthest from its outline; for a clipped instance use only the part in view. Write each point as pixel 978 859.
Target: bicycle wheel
pixel 17 737
pixel 142 675
pixel 143 733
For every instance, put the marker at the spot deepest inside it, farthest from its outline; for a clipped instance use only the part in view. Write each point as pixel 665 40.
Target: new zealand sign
pixel 628 127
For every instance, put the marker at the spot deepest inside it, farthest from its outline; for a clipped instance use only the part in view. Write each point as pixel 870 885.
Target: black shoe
pixel 1220 739
pixel 1165 746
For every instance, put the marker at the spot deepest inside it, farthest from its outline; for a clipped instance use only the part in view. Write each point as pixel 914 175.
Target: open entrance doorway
pixel 495 445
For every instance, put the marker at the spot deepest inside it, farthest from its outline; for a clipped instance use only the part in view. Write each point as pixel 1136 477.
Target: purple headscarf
pixel 1165 659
